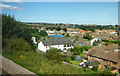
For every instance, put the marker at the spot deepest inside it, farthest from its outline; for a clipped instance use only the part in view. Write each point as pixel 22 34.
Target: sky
pixel 103 13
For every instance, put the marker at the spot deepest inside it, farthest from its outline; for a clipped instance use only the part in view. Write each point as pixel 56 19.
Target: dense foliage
pixel 14 29
pixel 16 44
pixel 67 35
pixel 92 28
pixel 77 50
pixel 54 55
pixel 65 29
pixel 58 28
pixel 87 36
pixel 43 33
pixel 110 41
pixel 95 68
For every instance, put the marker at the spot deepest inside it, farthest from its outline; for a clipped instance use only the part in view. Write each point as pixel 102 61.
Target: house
pixel 61 43
pixel 82 31
pixel 34 40
pixel 72 32
pixel 51 32
pixel 61 31
pixel 93 40
pixel 97 31
pixel 108 56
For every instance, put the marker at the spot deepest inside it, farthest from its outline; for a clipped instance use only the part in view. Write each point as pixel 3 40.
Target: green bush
pixel 43 33
pixel 67 35
pixel 16 44
pixel 87 36
pixel 54 55
pixel 106 72
pixel 72 57
pixel 94 68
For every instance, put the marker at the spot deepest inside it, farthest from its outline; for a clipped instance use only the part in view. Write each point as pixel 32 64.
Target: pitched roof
pixel 57 41
pixel 101 53
pixel 93 63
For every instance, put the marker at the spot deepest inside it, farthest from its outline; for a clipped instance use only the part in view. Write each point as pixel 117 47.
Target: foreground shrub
pixel 54 55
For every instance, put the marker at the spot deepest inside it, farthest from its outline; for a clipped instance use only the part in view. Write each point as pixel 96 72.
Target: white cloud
pixel 9 7
pixel 11 1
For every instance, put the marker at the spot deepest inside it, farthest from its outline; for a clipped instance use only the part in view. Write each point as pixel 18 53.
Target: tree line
pixel 15 29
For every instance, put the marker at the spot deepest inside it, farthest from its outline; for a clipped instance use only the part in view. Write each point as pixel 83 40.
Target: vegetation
pixel 53 55
pixel 58 28
pixel 106 72
pixel 106 44
pixel 77 50
pixel 37 62
pixel 51 28
pixel 95 68
pixel 75 62
pixel 43 33
pixel 110 41
pixel 67 35
pixel 17 47
pixel 92 28
pixel 14 29
pixel 96 43
pixel 65 29
pixel 87 36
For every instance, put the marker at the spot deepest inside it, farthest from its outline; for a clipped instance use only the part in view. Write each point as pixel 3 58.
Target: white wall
pixel 93 40
pixel 43 48
pixel 34 40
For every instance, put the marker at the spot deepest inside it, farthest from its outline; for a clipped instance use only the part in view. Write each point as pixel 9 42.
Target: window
pixel 64 45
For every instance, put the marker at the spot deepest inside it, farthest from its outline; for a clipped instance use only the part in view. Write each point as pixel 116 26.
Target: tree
pixel 67 35
pixel 94 68
pixel 87 36
pixel 77 50
pixel 43 33
pixel 106 72
pixel 14 29
pixel 65 29
pixel 92 29
pixel 106 44
pixel 58 28
pixel 54 55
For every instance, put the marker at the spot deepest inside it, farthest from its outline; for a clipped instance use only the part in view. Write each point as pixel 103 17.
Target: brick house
pixel 108 56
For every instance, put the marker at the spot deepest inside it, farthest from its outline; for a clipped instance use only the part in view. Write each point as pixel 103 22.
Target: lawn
pixel 74 62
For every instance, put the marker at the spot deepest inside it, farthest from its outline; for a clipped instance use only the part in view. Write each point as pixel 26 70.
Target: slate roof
pixel 57 41
pixel 100 52
pixel 93 63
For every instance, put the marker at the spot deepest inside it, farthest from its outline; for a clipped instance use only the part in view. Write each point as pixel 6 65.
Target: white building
pixel 60 43
pixel 93 40
pixel 34 40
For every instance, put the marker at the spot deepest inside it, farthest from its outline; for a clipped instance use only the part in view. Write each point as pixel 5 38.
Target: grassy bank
pixel 39 64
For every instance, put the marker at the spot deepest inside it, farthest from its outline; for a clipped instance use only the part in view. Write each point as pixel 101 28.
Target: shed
pixel 78 58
